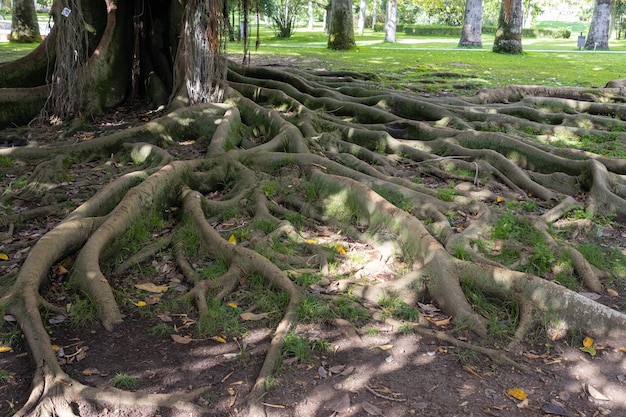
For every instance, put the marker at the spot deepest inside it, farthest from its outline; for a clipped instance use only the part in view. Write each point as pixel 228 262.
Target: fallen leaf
pixel 336 369
pixel 523 404
pixel 90 371
pixel 371 409
pixel 516 393
pixel 499 199
pixel 587 342
pixel 383 347
pixel 5 349
pixel 623 349
pixel 310 241
pixel 347 371
pixel 253 317
pixel 340 249
pixel 231 304
pixel 153 299
pixel 62 270
pixel 232 240
pixel 55 348
pixel 590 350
pixel 612 292
pixel 343 405
pixel 322 372
pixel 183 340
pixel 141 304
pixel 165 318
pixel 218 339
pixel 150 287
pixel 555 409
pixel 591 295
pixel 4 257
pixel 596 394
pixel 443 322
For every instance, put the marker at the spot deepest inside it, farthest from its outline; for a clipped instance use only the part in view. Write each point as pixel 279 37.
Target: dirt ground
pixel 373 370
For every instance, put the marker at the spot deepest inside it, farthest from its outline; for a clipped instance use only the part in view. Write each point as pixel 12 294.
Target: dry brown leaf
pixel 612 292
pixel 150 287
pixel 343 405
pixel 371 409
pixel 347 371
pixel 90 371
pixel 253 316
pixel 183 340
pixel 596 394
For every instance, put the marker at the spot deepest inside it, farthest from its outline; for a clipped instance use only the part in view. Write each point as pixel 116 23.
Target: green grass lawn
pixel 411 58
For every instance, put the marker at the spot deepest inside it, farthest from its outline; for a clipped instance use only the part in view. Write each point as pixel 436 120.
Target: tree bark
pixel 341 27
pixel 598 37
pixel 471 33
pixel 510 23
pixel 361 21
pixel 24 26
pixel 392 18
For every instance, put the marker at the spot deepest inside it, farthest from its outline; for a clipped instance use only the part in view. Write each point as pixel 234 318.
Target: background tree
pixel 285 14
pixel 471 33
pixel 598 36
pixel 510 24
pixel 391 21
pixel 361 18
pixel 341 26
pixel 24 24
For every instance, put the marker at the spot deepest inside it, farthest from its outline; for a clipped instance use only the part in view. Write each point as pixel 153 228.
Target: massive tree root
pixel 437 185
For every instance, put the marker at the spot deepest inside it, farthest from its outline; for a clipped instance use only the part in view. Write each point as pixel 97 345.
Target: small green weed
pixel 124 381
pixel 373 331
pixel 394 197
pixel 463 253
pixel 270 189
pixel 211 397
pixel 351 311
pixel 266 226
pixel 220 319
pixel 467 357
pixel 398 308
pixel 4 375
pixel 446 193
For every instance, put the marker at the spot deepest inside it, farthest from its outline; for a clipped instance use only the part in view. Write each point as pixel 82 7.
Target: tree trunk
pixel 24 26
pixel 510 23
pixel 341 35
pixel 311 15
pixel 374 17
pixel 598 37
pixel 390 25
pixel 471 33
pixel 361 21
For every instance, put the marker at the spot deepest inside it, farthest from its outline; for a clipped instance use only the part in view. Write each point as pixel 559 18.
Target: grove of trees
pixel 441 186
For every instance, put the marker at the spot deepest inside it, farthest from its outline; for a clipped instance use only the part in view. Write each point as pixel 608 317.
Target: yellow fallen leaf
pixel 55 348
pixel 232 240
pixel 233 305
pixel 253 316
pixel 5 349
pixel 623 349
pixel 150 287
pixel 62 270
pixel 219 339
pixel 310 241
pixel 516 393
pixel 587 342
pixel 499 199
pixel 141 304
pixel 183 340
pixel 340 249
pixel 4 257
pixel 612 292
pixel 383 347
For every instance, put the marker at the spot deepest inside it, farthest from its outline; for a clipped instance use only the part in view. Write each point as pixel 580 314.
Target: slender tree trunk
pixel 361 21
pixel 510 23
pixel 24 26
pixel 374 8
pixel 598 37
pixel 390 26
pixel 311 17
pixel 341 25
pixel 471 33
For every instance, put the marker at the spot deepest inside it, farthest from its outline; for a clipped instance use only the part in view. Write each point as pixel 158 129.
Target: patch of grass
pixel 313 308
pixel 394 197
pixel 220 320
pixel 4 376
pixel 398 308
pixel 297 346
pixel 266 226
pixel 610 259
pixel 270 189
pixel 83 311
pixel 462 252
pixel 446 193
pixel 406 328
pixel 542 259
pixel 135 235
pixel 161 330
pixel 467 357
pixel 568 280
pixel 351 311
pixel 305 279
pixel 6 162
pixel 210 397
pixel 214 269
pixel 502 314
pixel 124 381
